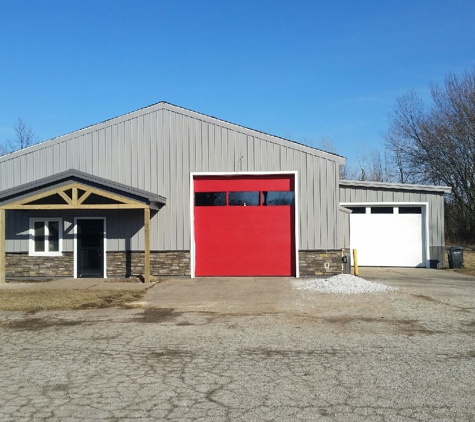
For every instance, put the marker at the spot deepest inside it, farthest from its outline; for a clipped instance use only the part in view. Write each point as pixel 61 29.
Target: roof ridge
pixel 169 106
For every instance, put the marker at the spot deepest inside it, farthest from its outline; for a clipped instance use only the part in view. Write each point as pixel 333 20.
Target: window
pixel 278 198
pixel 382 210
pixel 410 210
pixel 210 199
pixel 357 210
pixel 46 236
pixel 244 198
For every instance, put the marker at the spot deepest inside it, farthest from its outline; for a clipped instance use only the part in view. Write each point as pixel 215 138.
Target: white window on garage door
pixel 389 235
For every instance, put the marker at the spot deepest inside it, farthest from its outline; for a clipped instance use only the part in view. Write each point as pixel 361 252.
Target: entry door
pixel 90 247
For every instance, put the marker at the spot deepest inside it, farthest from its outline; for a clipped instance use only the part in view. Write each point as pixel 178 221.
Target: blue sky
pixel 303 70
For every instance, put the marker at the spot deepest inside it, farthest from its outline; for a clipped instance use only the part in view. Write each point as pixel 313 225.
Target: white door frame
pixel 242 173
pixel 425 219
pixel 104 219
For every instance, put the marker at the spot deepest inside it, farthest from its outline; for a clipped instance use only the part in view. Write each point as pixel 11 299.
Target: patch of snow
pixel 344 284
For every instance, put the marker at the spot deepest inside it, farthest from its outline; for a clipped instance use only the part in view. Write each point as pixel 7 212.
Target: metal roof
pixel 186 112
pixel 394 186
pixel 73 175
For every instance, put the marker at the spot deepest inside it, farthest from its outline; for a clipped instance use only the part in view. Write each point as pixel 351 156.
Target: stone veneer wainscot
pixel 312 263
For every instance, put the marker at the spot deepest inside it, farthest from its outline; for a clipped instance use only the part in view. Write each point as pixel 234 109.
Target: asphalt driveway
pixel 249 350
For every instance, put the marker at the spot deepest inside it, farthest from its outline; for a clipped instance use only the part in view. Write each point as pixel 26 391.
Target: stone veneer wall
pixel 314 263
pixel 170 263
pixel 119 264
pixel 24 265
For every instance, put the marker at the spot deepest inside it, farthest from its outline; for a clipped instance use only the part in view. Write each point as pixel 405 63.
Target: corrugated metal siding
pixel 344 228
pixel 157 149
pixel 436 210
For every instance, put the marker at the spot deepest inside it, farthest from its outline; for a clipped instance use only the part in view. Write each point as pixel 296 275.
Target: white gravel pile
pixel 344 284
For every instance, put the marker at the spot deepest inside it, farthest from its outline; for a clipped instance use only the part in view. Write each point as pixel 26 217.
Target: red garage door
pixel 244 226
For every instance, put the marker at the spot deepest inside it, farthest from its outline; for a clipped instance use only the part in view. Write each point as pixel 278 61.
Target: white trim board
pixel 31 236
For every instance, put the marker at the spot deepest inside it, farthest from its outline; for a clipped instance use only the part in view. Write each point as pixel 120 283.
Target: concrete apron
pixel 247 295
pixel 261 295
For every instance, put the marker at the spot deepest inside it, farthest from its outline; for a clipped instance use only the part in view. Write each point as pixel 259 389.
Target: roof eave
pixel 394 186
pixel 6 196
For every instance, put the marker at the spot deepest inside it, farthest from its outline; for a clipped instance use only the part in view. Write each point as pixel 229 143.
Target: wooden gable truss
pixel 75 196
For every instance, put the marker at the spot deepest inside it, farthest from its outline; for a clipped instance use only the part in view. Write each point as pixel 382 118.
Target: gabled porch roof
pixel 29 195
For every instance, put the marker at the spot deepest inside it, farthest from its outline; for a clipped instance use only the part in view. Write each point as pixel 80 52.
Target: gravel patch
pixel 344 284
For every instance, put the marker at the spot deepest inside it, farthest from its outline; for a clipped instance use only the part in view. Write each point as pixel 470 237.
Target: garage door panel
pixel 388 239
pixel 265 216
pixel 244 240
pixel 243 183
pixel 229 250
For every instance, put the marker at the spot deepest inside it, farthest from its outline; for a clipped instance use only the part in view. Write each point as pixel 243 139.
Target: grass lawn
pixel 45 300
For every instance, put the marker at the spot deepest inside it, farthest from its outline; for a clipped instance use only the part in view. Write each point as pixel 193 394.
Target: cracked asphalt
pixel 401 356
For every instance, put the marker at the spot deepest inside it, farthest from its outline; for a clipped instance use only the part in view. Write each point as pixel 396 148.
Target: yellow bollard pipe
pixel 355 261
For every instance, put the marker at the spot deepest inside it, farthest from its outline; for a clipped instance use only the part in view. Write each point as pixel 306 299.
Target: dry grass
pixel 468 262
pixel 45 300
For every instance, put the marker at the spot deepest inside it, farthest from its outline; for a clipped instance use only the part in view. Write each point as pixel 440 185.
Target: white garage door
pixel 388 236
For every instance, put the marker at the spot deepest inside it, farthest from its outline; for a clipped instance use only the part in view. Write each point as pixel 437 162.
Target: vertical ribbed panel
pixel 344 229
pixel 155 151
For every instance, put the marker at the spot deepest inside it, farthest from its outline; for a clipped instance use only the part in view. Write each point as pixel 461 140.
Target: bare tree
pixel 3 149
pixel 436 145
pixel 406 117
pixel 25 136
pixel 371 166
pixel 328 145
pixel 348 172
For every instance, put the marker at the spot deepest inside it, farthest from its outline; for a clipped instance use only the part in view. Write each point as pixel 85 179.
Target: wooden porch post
pixel 146 218
pixel 2 245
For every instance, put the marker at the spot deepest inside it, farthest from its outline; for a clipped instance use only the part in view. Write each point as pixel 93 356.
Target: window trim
pixel 31 236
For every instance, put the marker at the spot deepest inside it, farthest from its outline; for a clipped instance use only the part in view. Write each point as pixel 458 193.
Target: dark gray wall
pixel 121 225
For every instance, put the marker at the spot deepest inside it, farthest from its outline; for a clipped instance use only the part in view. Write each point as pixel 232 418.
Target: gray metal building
pixel 417 208
pixel 112 172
